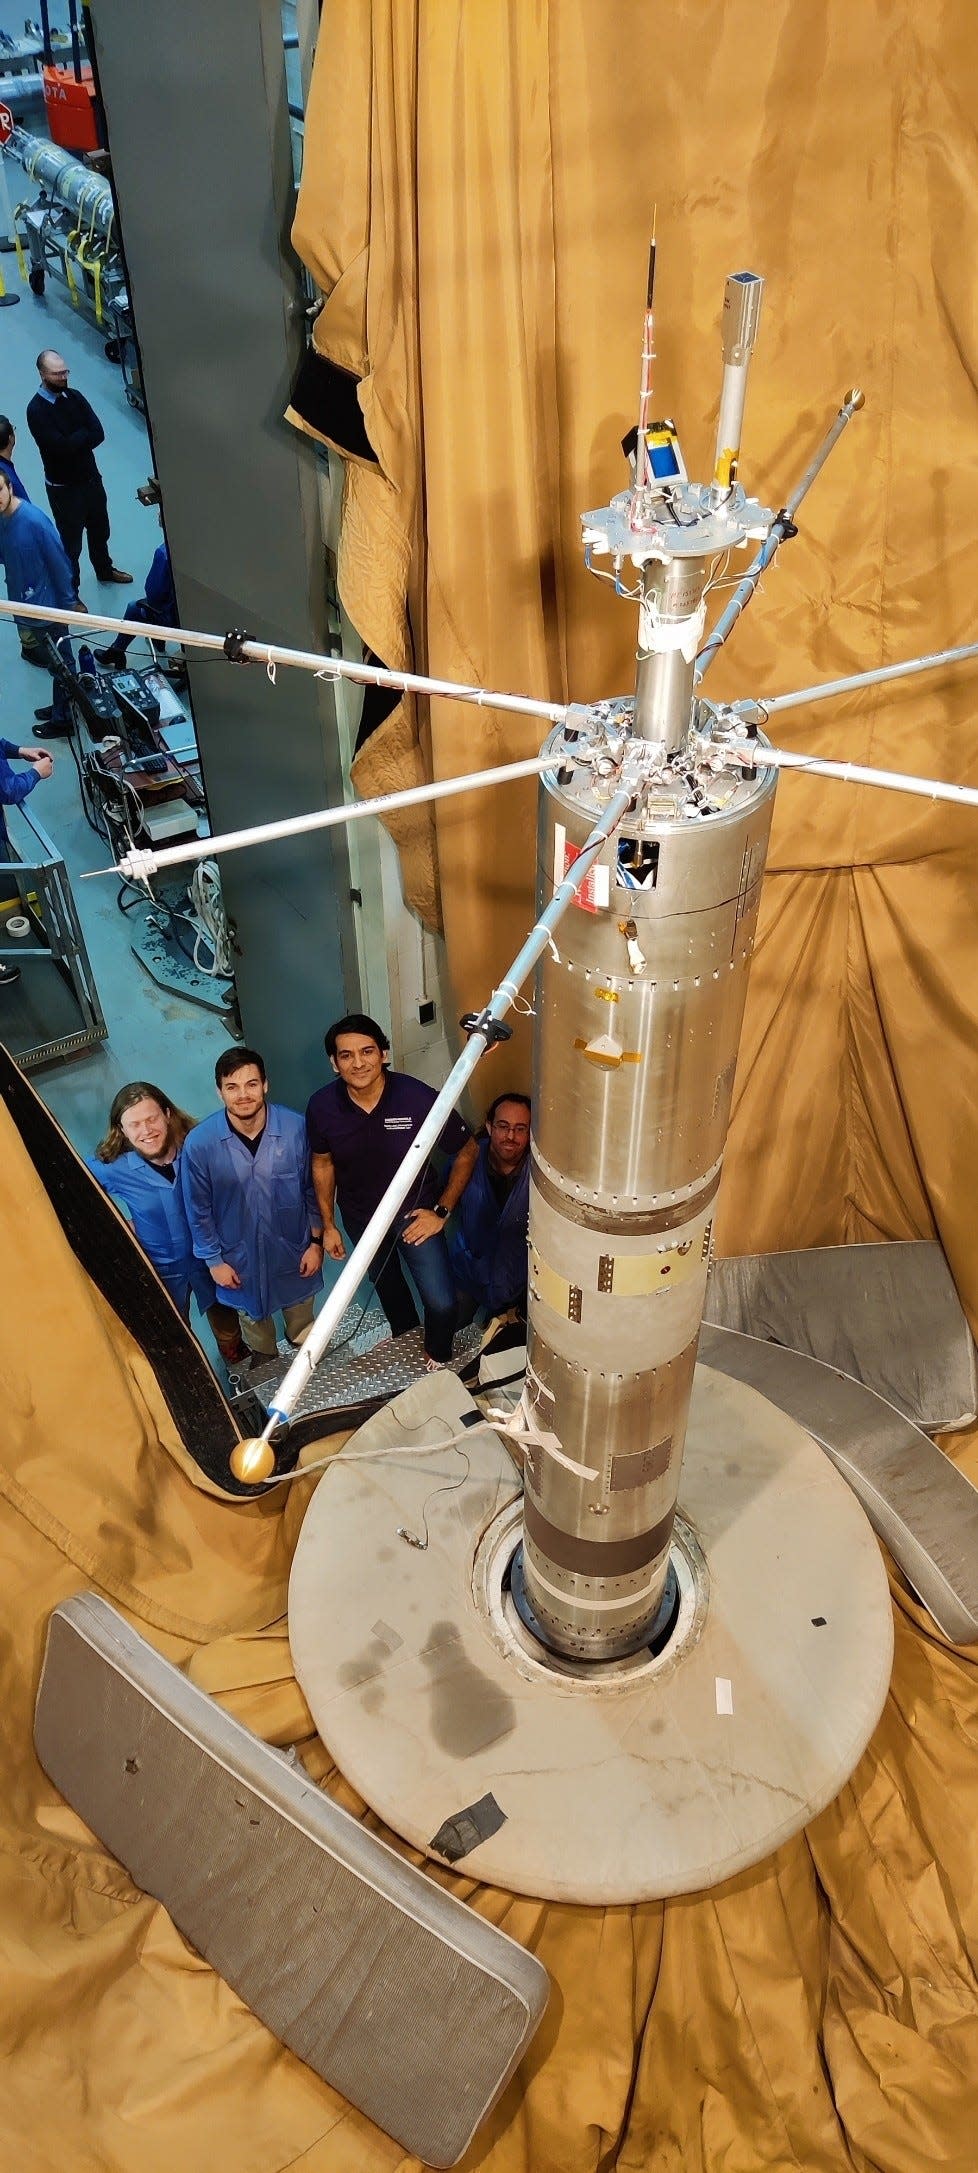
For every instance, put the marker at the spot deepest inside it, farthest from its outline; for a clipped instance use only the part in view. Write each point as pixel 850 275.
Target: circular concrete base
pixel 558 1781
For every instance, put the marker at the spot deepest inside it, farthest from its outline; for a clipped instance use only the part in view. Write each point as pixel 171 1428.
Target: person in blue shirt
pixel 8 438
pixel 487 1247
pixel 14 787
pixel 138 1165
pixel 252 1211
pixel 157 608
pixel 37 572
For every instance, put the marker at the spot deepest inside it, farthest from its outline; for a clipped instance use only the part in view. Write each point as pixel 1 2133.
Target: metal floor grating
pixel 369 1375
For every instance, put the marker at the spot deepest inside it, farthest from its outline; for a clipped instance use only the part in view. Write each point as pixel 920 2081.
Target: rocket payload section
pixel 638 1018
pixel 637 1030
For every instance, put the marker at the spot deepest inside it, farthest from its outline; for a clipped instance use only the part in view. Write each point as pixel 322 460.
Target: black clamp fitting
pixel 234 641
pixel 480 1022
pixel 788 527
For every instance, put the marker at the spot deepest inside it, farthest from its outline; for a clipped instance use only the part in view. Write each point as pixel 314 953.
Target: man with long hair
pixel 138 1165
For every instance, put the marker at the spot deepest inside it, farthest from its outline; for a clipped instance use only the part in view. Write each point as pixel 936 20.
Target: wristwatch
pixel 441 1212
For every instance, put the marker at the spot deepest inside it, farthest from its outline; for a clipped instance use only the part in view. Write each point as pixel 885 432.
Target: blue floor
pixel 151 1033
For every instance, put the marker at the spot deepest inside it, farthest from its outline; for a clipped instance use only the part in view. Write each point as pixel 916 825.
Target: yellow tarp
pixel 817 2013
pixel 478 192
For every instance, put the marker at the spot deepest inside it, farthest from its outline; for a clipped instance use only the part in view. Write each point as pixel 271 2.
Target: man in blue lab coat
pixel 138 1165
pixel 252 1210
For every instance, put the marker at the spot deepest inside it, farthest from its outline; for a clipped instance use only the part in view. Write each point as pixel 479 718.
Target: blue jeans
pixel 430 1271
pixel 59 692
pixel 142 614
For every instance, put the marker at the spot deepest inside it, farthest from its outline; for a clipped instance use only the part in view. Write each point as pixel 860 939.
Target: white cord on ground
pixel 208 908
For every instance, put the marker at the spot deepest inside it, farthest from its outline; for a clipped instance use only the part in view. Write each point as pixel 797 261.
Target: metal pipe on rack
pixel 71 183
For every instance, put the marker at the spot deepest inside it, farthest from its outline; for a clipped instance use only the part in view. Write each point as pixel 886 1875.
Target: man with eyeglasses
pixel 487 1247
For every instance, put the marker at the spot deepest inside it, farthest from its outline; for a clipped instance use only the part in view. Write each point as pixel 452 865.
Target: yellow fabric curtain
pixel 478 194
pixel 818 2013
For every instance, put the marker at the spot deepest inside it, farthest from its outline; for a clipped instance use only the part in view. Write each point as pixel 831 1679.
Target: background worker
pixel 14 788
pixel 487 1246
pixel 251 1206
pixel 138 1165
pixel 66 431
pixel 36 570
pixel 8 438
pixel 360 1129
pixel 158 607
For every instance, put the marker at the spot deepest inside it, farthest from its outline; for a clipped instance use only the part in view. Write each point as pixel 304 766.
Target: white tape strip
pixel 724 1695
pixel 656 635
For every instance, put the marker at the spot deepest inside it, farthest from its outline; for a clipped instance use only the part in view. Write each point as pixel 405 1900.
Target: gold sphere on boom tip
pixel 253 1461
pixel 854 399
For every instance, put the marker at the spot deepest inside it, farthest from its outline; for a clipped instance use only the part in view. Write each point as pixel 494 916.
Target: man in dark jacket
pixel 67 431
pixel 487 1247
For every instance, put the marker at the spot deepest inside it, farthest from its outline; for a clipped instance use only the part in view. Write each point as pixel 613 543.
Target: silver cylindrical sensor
pixel 738 330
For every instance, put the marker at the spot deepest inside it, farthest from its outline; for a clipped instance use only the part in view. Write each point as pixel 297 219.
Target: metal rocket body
pixel 638 1016
pixel 638 1026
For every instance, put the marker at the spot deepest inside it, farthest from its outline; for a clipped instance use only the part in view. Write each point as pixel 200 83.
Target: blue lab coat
pixel 487 1246
pixel 256 1212
pixel 158 1216
pixel 14 787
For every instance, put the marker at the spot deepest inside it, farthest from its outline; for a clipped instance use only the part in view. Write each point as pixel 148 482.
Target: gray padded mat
pixel 923 1508
pixel 888 1315
pixel 406 2001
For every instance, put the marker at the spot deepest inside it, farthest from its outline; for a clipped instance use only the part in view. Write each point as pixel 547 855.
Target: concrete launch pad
pixel 606 1783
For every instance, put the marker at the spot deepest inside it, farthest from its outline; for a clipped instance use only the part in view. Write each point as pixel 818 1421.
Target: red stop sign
pixel 6 125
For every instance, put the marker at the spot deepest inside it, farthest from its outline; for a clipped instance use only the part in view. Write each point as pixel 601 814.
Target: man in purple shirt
pixel 360 1129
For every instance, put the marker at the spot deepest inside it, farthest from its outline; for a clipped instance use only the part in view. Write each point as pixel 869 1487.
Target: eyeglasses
pixel 515 1131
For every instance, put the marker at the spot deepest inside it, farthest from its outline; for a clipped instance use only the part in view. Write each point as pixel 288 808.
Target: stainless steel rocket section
pixel 638 1024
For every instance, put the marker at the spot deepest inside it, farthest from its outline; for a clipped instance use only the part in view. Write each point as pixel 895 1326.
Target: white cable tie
pixel 553 948
pixel 270 671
